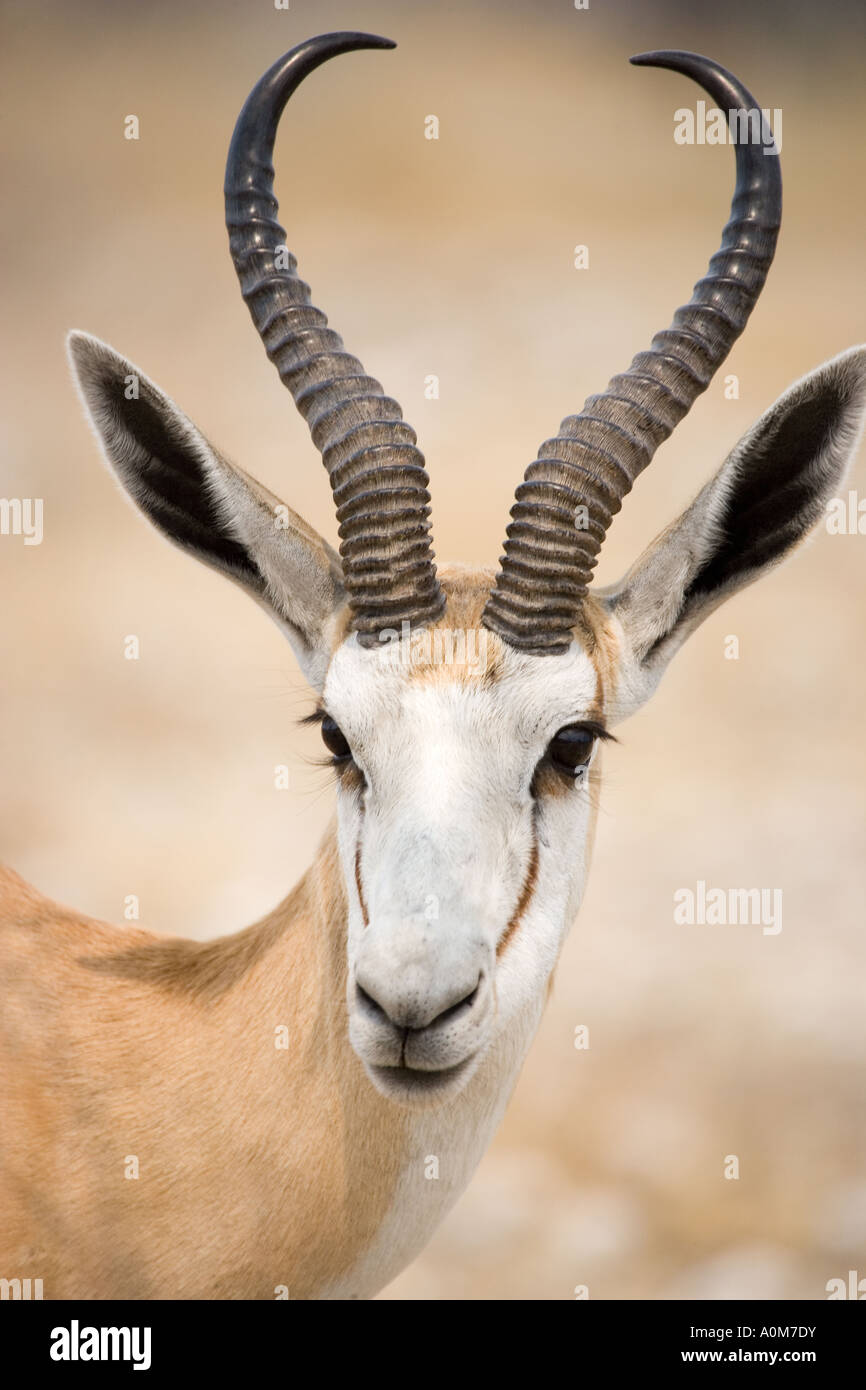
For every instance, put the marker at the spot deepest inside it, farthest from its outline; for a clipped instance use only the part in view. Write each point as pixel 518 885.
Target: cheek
pixel 564 809
pixel 564 825
pixel 350 819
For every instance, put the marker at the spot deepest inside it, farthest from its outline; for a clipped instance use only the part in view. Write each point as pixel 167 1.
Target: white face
pixel 463 836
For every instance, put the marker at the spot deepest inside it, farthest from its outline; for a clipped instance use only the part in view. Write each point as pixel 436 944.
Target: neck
pixel 354 1184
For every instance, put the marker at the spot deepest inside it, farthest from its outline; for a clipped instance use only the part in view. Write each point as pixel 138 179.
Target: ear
pixel 769 493
pixel 210 508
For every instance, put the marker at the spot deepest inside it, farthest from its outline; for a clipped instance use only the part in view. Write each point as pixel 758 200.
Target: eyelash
pixel 345 769
pixel 314 717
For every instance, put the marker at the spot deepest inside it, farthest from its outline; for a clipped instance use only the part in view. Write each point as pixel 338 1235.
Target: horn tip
pixel 366 40
pixel 663 57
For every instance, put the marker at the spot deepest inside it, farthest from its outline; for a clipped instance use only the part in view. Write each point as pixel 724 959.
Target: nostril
pixel 413 1011
pixel 462 1005
pixel 369 1004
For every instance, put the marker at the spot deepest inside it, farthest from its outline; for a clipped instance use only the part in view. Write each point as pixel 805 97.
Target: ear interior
pixel 209 507
pixel 780 479
pixel 161 461
pixel 769 493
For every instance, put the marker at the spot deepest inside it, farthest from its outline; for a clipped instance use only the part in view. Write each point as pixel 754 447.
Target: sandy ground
pixel 454 257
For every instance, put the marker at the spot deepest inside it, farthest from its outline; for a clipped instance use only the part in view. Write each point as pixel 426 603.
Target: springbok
pixel 412 962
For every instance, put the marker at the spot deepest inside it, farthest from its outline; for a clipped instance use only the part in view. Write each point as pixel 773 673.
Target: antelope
pixel 412 962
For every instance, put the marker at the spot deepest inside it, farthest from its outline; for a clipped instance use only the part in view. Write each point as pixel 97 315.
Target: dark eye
pixel 571 749
pixel 335 739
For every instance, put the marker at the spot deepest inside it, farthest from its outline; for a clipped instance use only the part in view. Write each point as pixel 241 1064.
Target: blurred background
pixel 454 257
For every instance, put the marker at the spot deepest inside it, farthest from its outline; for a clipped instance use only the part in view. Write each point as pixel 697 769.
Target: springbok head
pixel 464 711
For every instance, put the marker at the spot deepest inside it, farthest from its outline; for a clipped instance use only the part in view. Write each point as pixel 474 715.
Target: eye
pixel 335 740
pixel 571 749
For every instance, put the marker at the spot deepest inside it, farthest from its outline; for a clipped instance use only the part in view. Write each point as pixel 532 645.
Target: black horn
pixel 578 481
pixel 377 473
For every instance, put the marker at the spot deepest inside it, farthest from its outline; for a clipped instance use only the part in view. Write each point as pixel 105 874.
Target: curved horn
pixel 377 474
pixel 579 479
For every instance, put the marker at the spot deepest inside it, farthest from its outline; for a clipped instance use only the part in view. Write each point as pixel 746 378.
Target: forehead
pixel 456 669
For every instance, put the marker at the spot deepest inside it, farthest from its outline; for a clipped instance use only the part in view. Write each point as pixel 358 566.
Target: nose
pixel 421 997
pixel 416 1005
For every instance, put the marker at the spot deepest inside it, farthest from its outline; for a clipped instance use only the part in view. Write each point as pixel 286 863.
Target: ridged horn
pixel 576 485
pixel 376 471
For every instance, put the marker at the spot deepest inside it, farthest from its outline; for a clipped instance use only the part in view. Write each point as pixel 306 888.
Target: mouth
pixel 411 1086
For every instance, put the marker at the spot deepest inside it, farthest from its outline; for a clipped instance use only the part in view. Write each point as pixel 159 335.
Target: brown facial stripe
pixel 523 902
pixel 359 887
pixel 595 713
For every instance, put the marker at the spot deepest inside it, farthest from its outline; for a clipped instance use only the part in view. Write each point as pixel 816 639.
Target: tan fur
pixel 258 1166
